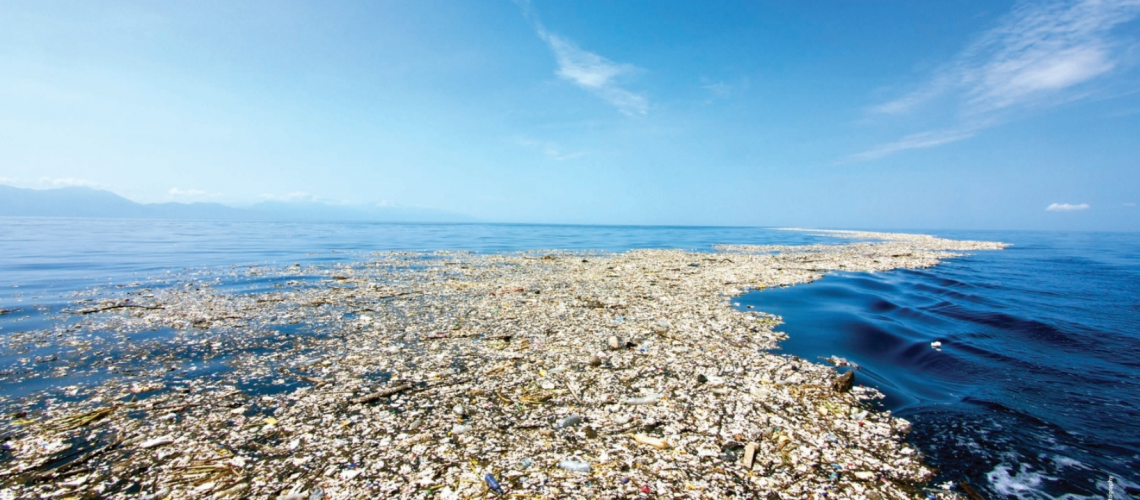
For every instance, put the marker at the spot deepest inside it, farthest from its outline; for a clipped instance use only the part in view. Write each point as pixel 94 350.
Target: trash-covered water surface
pixel 548 374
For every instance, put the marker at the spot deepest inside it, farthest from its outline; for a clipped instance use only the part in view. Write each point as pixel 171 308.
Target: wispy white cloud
pixel 69 182
pixel 1041 54
pixel 1034 54
pixel 186 192
pixel 52 182
pixel 1129 204
pixel 192 193
pixel 588 70
pixel 293 196
pixel 913 141
pixel 1043 49
pixel 914 99
pixel 1066 207
pixel 720 89
pixel 551 149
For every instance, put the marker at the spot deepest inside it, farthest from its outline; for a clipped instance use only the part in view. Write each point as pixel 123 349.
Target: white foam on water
pixel 1063 461
pixel 1027 484
pixel 1024 484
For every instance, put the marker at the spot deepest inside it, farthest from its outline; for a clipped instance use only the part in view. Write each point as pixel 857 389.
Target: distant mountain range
pixel 87 202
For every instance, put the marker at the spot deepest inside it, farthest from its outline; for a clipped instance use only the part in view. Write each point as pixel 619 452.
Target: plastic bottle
pixel 492 483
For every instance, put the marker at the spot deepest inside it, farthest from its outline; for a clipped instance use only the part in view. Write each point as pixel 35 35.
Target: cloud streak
pixel 1034 54
pixel 1065 207
pixel 293 196
pixel 70 182
pixel 52 182
pixel 551 149
pixel 913 141
pixel 1040 55
pixel 718 89
pixel 588 70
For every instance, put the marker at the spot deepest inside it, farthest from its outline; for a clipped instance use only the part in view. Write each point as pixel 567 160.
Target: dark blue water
pixel 1033 395
pixel 1035 392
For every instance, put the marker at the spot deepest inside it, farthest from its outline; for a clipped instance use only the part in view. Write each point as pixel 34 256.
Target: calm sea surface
pixel 1035 392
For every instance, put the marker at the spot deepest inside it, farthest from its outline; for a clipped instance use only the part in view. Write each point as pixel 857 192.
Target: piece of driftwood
pixel 380 394
pixel 312 380
pixel 970 491
pixel 117 306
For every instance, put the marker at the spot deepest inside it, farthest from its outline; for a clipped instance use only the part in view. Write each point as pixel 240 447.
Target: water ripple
pixel 1034 391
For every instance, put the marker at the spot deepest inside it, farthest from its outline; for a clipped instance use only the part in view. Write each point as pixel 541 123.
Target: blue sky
pixel 886 114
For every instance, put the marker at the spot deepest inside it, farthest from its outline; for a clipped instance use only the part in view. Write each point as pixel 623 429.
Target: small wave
pixel 1023 484
pixel 1031 394
pixel 882 306
pixel 1029 484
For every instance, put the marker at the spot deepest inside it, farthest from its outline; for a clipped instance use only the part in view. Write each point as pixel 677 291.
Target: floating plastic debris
pixel 569 421
pixel 492 483
pixel 388 377
pixel 644 400
pixel 574 466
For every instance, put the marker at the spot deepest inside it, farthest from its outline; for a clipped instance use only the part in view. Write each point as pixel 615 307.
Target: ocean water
pixel 1034 393
pixel 49 266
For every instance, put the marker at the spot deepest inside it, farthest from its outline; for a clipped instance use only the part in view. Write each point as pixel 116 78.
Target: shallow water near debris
pixel 55 270
pixel 1033 393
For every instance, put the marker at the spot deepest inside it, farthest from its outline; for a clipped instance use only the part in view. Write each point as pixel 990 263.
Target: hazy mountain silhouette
pixel 88 202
